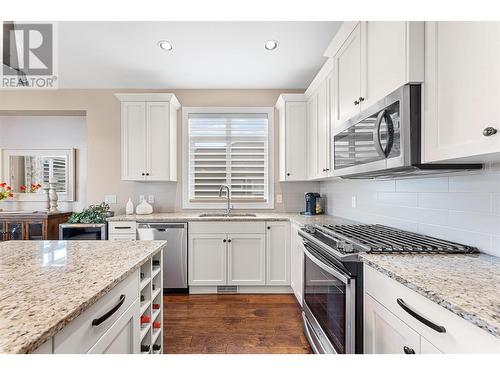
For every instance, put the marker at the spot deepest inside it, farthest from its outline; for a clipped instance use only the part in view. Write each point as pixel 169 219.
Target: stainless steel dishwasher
pixel 175 255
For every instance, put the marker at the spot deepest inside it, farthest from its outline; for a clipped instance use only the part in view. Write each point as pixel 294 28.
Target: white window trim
pixel 186 203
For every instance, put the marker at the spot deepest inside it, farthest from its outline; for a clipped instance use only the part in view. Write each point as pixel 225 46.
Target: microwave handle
pixel 376 134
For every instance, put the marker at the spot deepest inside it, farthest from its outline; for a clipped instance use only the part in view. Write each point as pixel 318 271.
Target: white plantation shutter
pixel 228 149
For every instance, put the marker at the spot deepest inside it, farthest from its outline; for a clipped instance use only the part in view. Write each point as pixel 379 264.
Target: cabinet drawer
pixel 460 336
pixel 79 336
pixel 122 227
pixel 227 227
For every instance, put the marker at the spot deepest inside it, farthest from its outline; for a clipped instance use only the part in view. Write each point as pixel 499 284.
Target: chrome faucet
pixel 228 197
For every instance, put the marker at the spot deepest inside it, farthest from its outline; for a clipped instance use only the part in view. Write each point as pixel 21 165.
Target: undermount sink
pixel 227 215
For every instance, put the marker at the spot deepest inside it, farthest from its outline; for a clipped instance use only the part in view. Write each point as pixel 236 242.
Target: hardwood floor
pixel 258 324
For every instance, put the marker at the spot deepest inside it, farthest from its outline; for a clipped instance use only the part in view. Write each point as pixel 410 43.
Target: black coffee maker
pixel 313 204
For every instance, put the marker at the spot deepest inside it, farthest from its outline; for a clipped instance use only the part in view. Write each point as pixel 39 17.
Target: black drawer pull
pixel 103 318
pixel 123 228
pixel 408 350
pixel 419 317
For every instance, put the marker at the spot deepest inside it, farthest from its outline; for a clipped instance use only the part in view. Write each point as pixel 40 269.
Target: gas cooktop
pixel 350 239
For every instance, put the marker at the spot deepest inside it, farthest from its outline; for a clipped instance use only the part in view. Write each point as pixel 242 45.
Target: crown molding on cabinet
pixel 150 97
pixel 325 70
pixel 345 30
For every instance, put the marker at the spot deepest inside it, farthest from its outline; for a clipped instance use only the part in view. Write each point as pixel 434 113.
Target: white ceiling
pixel 206 55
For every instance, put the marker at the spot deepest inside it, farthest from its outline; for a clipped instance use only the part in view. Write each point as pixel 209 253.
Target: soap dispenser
pixel 129 208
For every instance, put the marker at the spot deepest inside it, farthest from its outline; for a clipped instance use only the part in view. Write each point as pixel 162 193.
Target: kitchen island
pixel 79 296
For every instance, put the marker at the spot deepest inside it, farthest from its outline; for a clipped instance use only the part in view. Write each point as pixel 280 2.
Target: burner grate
pixel 381 239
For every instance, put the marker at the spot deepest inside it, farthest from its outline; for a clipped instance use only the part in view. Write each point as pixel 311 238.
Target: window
pixel 228 146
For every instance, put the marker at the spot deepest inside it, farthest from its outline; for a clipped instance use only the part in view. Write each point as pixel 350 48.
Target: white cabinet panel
pixel 133 141
pixel 347 67
pixel 312 136
pixel 323 143
pixel 207 259
pixel 293 140
pixel 149 137
pixel 278 253
pixel 384 333
pixel 297 267
pixel 159 142
pixel 384 63
pixel 246 259
pixel 462 72
pixel 123 337
pixel 427 348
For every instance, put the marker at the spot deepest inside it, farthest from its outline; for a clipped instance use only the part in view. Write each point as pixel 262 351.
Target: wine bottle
pixel 156 306
pixel 145 348
pixel 145 319
pixel 156 325
pixel 156 347
pixel 143 298
pixel 156 262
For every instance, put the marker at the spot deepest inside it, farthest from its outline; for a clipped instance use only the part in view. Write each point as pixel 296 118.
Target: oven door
pixel 329 304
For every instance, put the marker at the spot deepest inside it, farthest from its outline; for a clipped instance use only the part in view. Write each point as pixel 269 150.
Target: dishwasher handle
pixel 161 227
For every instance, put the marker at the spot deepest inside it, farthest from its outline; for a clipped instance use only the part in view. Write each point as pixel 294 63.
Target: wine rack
pixel 151 296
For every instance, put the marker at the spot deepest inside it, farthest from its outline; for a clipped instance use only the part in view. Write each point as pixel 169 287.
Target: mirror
pixel 28 172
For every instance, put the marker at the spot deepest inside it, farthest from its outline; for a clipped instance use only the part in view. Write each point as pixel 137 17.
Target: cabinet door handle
pixel 123 228
pixel 106 316
pixel 408 350
pixel 229 240
pixel 288 174
pixel 419 317
pixel 143 174
pixel 361 99
pixel 356 102
pixel 224 241
pixel 268 228
pixel 489 131
pixel 147 174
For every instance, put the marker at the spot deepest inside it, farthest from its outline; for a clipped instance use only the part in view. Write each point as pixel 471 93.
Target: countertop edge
pixel 469 317
pixel 67 319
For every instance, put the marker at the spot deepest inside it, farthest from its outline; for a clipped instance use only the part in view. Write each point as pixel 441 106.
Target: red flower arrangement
pixel 33 188
pixel 5 191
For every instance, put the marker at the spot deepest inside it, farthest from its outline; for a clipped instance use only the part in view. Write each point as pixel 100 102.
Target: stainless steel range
pixel 333 278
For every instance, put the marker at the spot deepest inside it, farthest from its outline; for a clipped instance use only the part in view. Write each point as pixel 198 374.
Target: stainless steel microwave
pixel 384 141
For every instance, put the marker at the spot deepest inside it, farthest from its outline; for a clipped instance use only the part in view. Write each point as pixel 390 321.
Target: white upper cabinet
pixel 347 67
pixel 374 59
pixel 323 143
pixel 149 137
pixel 312 136
pixel 392 55
pixel 462 91
pixel 293 137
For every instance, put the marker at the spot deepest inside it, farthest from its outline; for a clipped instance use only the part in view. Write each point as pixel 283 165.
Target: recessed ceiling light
pixel 271 45
pixel 165 45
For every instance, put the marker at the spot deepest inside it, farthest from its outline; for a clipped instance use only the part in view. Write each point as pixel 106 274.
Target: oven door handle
pixel 346 280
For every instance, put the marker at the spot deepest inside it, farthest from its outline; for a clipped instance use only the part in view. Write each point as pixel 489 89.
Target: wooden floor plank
pixel 239 324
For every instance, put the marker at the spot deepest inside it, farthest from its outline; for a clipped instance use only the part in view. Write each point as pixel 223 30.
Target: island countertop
pixel 44 285
pixel 466 285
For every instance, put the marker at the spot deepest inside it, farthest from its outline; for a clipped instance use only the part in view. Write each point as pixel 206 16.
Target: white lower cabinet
pixel 278 253
pixel 391 328
pixel 207 259
pixel 384 333
pixel 123 336
pixel 239 253
pixel 246 259
pixel 296 264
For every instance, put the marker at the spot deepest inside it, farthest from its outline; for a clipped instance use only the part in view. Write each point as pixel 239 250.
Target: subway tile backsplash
pixel 462 208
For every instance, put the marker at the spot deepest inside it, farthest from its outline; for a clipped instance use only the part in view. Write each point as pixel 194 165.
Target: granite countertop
pixel 46 284
pixel 261 216
pixel 467 285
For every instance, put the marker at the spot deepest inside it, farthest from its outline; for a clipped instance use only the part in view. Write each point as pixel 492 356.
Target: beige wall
pixel 103 139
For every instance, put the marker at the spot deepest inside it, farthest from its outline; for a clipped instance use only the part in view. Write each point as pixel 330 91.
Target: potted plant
pixel 95 214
